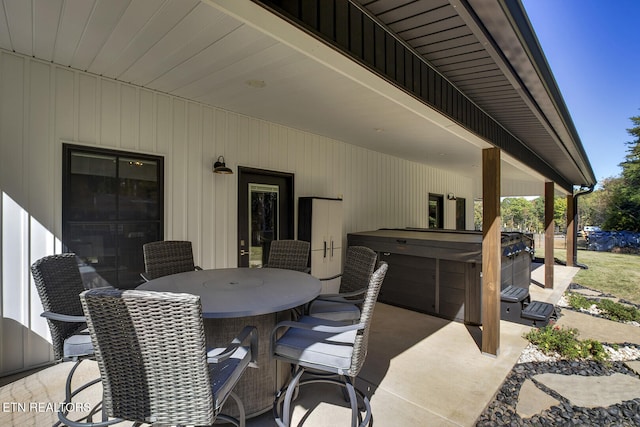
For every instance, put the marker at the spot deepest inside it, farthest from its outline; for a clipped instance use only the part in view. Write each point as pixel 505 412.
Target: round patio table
pixel 233 298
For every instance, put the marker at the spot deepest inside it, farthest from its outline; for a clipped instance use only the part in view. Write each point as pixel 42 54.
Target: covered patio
pixel 430 374
pixel 387 105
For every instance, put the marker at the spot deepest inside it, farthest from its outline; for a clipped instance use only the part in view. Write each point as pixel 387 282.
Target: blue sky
pixel 593 49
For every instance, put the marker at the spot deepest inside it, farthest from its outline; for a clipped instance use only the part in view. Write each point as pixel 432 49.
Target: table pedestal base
pixel 257 386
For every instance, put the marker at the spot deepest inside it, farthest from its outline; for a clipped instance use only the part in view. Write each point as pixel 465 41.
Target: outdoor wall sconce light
pixel 220 167
pixel 451 196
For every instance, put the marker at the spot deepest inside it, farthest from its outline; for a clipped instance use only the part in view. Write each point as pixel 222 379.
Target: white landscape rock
pixel 531 353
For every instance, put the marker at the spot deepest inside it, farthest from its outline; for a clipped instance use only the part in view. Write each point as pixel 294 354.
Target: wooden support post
pixel 548 234
pixel 571 231
pixel 491 242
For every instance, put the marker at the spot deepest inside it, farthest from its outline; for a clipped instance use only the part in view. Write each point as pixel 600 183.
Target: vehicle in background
pixel 591 229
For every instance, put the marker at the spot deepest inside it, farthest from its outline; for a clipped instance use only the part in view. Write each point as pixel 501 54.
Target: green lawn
pixel 617 274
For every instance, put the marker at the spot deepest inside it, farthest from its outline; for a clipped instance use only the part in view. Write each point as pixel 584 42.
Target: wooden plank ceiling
pixel 190 49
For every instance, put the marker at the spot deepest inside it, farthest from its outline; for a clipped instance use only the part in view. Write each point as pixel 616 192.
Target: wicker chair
pixel 289 254
pixel 150 349
pixel 326 347
pixel 59 285
pixel 167 257
pixel 344 306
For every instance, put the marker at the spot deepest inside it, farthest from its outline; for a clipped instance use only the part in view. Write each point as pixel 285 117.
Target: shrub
pixel 552 339
pixel 594 350
pixel 617 311
pixel 577 301
pixel 610 309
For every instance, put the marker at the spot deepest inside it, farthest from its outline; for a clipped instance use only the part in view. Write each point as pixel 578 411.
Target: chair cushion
pixel 78 345
pixel 225 374
pixel 332 310
pixel 317 348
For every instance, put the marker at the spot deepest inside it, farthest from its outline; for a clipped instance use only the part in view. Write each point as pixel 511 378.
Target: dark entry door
pixel 461 206
pixel 265 213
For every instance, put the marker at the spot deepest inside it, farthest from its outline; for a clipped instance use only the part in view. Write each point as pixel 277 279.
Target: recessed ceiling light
pixel 258 84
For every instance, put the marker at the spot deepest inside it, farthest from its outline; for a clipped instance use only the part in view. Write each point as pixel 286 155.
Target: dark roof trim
pixel 348 29
pixel 530 42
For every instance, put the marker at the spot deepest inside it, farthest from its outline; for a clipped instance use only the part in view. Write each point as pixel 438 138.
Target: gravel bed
pixel 617 353
pixel 502 411
pixel 532 361
pixel 593 310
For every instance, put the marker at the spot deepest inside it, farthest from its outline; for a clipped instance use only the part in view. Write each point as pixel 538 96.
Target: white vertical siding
pixel 15 284
pixel 43 105
pixel 87 107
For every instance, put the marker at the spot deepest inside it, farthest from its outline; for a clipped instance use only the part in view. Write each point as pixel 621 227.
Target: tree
pixel 538 213
pixel 623 208
pixel 518 214
pixel 592 207
pixel 477 215
pixel 560 213
pixel 631 165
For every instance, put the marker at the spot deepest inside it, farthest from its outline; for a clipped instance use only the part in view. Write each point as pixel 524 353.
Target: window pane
pixel 92 187
pixel 138 189
pixel 131 237
pixel 263 221
pixel 433 214
pixel 112 206
pixel 436 217
pixel 112 253
pixel 95 245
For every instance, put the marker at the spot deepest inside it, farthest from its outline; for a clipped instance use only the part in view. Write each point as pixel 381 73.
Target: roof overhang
pixel 518 53
pixel 242 57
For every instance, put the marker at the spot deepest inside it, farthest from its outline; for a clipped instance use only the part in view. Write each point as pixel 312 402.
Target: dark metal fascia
pixel 530 43
pixel 429 86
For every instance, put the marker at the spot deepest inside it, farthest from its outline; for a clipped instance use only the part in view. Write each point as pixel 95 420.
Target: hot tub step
pixel 540 313
pixel 514 294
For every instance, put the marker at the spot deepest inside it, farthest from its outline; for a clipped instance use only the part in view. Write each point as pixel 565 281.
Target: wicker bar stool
pixel 167 257
pixel 320 346
pixel 155 368
pixel 290 255
pixel 59 285
pixel 345 305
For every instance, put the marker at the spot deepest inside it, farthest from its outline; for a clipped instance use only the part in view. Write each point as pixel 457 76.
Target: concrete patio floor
pixel 420 370
pixel 426 371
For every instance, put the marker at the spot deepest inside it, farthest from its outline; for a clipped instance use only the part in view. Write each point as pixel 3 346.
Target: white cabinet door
pixel 325 266
pixel 319 222
pixel 326 242
pixel 319 266
pixel 326 224
pixel 334 227
pixel 334 267
pixel 334 223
